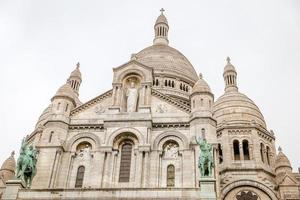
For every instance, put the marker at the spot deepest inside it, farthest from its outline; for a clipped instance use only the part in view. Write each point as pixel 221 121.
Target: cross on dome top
pixel 162 10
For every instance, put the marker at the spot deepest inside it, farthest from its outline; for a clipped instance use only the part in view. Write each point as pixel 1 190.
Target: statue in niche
pixel 171 150
pixel 132 96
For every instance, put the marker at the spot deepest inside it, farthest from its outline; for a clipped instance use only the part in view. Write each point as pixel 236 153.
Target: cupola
pixel 75 79
pixel 230 76
pixel 161 29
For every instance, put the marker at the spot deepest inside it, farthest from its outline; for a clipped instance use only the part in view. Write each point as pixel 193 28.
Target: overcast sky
pixel 41 41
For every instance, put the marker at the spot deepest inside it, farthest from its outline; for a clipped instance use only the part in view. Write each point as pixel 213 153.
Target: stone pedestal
pixel 12 189
pixel 207 188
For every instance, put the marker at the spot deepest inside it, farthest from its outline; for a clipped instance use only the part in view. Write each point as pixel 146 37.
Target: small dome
pixel 229 67
pixel 201 86
pixel 9 164
pixel 282 160
pixel 76 72
pixel 236 108
pixel 43 117
pixel 161 19
pixel 167 61
pixel 66 91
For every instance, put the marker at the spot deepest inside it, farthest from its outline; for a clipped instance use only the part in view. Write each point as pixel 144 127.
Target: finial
pixel 77 65
pixel 279 149
pixel 12 153
pixel 162 10
pixel 228 60
pixel 200 76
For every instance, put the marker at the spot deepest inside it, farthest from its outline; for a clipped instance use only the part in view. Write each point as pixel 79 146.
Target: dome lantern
pixel 230 77
pixel 75 79
pixel 161 29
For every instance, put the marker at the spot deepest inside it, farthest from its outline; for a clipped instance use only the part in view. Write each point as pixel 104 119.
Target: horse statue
pixel 206 162
pixel 26 164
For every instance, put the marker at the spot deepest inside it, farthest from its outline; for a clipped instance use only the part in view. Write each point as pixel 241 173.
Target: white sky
pixel 41 41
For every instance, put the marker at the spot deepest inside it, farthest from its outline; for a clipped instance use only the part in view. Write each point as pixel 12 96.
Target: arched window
pixel 125 164
pixel 201 102
pixel 268 155
pixel 180 86
pixel 236 150
pixel 50 136
pixel 156 82
pixel 262 149
pixel 166 83
pixel 79 177
pixel 246 150
pixel 170 176
pixel 220 153
pixel 169 83
pixel 173 84
pixel 187 88
pixel 58 106
pixel 67 106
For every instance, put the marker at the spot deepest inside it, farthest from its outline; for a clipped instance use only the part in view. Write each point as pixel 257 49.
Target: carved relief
pixel 99 109
pixel 161 108
pixel 171 150
pixel 247 195
pixel 84 151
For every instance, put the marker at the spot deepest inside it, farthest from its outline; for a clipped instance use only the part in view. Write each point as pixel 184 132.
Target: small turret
pixel 66 97
pixel 201 119
pixel 161 29
pixel 287 183
pixel 75 79
pixel 202 98
pixel 8 168
pixel 282 163
pixel 230 76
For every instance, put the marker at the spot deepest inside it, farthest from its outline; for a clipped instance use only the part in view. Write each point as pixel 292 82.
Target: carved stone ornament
pixel 247 195
pixel 99 110
pixel 161 108
pixel 171 151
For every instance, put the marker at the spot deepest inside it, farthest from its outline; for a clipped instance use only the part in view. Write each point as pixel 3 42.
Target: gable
pixel 288 180
pixel 93 108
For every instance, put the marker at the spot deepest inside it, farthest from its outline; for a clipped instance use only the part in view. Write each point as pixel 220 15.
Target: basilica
pixel 140 139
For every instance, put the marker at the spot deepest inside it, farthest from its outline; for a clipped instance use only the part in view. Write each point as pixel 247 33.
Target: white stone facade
pixel 108 149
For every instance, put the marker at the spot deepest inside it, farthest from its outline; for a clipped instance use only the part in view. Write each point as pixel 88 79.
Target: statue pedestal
pixel 12 189
pixel 208 188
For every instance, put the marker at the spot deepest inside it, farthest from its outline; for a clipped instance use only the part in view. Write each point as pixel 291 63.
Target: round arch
pixel 132 71
pixel 177 136
pixel 249 183
pixel 133 131
pixel 79 137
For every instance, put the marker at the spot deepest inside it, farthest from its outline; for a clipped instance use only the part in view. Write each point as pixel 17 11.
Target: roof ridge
pixel 91 102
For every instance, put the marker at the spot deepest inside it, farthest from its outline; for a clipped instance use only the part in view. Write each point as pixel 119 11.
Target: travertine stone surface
pixel 174 106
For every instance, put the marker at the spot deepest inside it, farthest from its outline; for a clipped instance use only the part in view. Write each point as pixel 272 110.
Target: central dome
pixel 167 61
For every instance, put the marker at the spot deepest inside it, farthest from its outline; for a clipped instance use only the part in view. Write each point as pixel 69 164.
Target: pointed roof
pixel 9 164
pixel 161 18
pixel 76 72
pixel 201 85
pixel 229 67
pixel 282 160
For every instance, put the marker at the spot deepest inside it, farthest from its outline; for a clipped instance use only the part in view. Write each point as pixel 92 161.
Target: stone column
pixel 146 170
pixel 187 173
pixel 241 151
